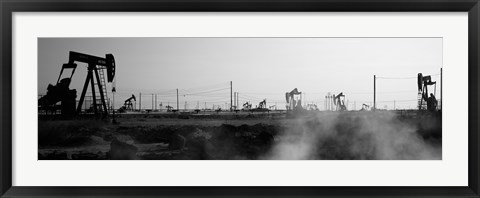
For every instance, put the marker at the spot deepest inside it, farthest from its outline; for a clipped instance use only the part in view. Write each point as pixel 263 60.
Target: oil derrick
pixel 169 108
pixel 426 101
pixel 365 107
pixel 262 106
pixel 292 103
pixel 128 105
pixel 339 102
pixel 61 91
pixel 95 64
pixel 247 106
pixel 312 107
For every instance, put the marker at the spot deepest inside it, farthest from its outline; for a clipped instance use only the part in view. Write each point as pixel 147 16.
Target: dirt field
pixel 244 136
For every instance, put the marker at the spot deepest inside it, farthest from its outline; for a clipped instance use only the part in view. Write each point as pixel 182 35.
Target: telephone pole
pixel 231 100
pixel 177 100
pixel 234 98
pixel 374 92
pixel 113 105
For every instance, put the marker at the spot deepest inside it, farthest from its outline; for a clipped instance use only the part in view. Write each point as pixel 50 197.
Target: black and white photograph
pixel 240 98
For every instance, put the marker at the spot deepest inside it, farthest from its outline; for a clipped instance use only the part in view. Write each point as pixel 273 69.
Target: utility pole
pixel 374 92
pixel 155 101
pixel 234 98
pixel 330 105
pixel 140 103
pixel 325 103
pixel 152 103
pixel 304 99
pixel 177 100
pixel 231 100
pixel 113 105
pixel 441 88
pixel 329 102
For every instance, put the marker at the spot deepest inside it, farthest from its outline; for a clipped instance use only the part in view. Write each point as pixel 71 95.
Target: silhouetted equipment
pixel 61 91
pixel 292 103
pixel 339 102
pixel 262 104
pixel 95 65
pixel 247 106
pixel 128 105
pixel 431 101
pixel 365 107
pixel 312 107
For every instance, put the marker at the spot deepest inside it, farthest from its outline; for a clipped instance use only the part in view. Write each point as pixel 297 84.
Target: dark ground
pixel 322 135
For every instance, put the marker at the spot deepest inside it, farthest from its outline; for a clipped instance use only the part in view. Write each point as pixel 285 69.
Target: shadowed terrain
pixel 314 136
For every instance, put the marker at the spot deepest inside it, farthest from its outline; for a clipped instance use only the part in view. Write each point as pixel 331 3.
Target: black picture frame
pixel 10 6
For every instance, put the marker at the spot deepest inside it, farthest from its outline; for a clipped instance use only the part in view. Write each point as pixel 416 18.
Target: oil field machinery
pixel 128 104
pixel 60 92
pixel 262 107
pixel 247 106
pixel 262 104
pixel 292 103
pixel 339 102
pixel 426 101
pixel 312 107
pixel 365 107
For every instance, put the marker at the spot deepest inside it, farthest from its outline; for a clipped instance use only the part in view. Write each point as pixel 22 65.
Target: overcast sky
pixel 202 68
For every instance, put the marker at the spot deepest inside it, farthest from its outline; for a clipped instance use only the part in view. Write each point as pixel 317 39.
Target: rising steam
pixel 354 135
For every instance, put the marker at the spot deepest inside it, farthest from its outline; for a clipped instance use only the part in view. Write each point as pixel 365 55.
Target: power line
pixel 203 92
pixel 207 87
pixel 396 78
pixel 400 78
